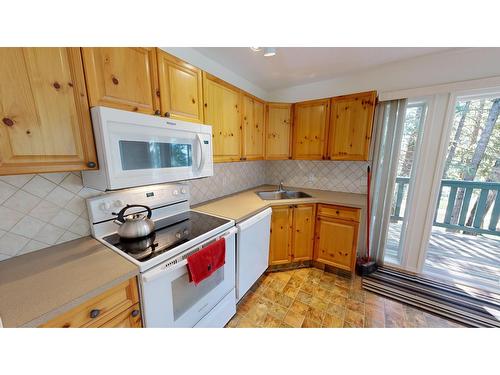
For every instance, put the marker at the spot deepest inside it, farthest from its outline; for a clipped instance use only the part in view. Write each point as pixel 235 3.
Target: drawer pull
pixel 94 313
pixel 337 212
pixel 135 313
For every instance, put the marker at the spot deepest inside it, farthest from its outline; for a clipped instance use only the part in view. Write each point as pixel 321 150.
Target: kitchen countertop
pixel 242 205
pixel 39 286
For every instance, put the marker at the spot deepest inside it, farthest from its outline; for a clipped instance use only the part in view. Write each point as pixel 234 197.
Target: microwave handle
pixel 202 154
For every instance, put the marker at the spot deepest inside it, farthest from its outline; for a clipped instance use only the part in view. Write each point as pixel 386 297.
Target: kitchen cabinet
pixel 310 129
pixel 116 307
pixel 222 112
pixel 181 94
pixel 278 131
pixel 292 234
pixel 253 126
pixel 351 122
pixel 45 121
pixel 336 236
pixel 123 78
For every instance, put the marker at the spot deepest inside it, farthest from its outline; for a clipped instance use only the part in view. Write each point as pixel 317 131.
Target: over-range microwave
pixel 135 149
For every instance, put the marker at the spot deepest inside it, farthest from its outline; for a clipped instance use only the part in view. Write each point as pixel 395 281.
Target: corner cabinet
pixel 253 126
pixel 278 131
pixel 351 123
pixel 310 129
pixel 292 234
pixel 117 307
pixel 181 93
pixel 222 103
pixel 123 78
pixel 336 236
pixel 44 121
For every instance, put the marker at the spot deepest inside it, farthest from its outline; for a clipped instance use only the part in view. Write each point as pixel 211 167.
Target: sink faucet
pixel 280 186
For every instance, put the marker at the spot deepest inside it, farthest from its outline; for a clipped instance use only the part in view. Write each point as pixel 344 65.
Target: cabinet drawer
pixel 130 318
pixel 339 212
pixel 99 309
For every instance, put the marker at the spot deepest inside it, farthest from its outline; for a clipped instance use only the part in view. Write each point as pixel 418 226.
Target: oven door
pixel 170 300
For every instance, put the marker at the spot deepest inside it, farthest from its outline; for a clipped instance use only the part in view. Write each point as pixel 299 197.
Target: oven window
pixel 153 155
pixel 185 294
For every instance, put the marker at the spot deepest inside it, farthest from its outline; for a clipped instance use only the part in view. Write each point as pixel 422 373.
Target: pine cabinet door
pixel 44 121
pixel 123 78
pixel 351 122
pixel 222 112
pixel 336 242
pixel 181 94
pixel 253 129
pixel 278 131
pixel 310 127
pixel 281 230
pixel 303 232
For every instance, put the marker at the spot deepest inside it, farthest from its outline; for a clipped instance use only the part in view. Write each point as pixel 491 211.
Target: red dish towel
pixel 205 262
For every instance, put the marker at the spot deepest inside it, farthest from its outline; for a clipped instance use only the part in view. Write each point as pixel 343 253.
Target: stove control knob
pixel 186 232
pixel 119 203
pixel 178 235
pixel 105 206
pixel 175 192
pixel 183 191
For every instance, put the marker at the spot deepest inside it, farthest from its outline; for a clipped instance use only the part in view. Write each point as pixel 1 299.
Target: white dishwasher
pixel 252 250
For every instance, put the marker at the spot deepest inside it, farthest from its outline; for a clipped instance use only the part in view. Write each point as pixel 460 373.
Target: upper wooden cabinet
pixel 310 126
pixel 222 111
pixel 123 78
pixel 253 126
pixel 278 131
pixel 45 122
pixel 181 94
pixel 351 123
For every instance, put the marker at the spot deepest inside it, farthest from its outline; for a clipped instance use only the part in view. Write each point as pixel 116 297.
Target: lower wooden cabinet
pixel 336 236
pixel 292 234
pixel 116 307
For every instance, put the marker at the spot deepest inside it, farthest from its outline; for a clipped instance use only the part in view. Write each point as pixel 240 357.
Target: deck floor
pixel 457 258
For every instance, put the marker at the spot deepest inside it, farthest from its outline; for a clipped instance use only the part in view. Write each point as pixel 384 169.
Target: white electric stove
pixel 168 298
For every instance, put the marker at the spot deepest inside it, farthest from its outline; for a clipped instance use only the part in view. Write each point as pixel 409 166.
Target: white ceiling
pixel 300 65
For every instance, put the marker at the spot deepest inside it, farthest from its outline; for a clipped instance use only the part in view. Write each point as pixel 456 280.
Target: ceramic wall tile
pixel 42 210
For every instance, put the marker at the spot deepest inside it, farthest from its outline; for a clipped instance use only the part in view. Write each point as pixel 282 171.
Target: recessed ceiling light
pixel 256 49
pixel 270 51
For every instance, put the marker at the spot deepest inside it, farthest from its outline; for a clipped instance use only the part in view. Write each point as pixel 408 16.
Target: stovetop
pixel 169 234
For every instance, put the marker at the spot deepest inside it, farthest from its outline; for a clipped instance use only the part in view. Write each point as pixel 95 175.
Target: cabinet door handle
pixel 7 121
pixel 157 112
pixel 91 164
pixel 94 313
pixel 135 313
pixel 167 114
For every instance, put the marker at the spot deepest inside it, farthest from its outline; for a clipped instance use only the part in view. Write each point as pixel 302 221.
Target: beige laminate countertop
pixel 38 286
pixel 242 205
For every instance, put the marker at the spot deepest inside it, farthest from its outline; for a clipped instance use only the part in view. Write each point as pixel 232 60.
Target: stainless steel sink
pixel 281 194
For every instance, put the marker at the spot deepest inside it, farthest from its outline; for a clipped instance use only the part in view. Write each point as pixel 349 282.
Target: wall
pixel 452 66
pixel 37 211
pixel 228 178
pixel 41 210
pixel 345 176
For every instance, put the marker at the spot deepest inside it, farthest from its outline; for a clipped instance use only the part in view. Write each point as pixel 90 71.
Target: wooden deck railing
pixel 477 225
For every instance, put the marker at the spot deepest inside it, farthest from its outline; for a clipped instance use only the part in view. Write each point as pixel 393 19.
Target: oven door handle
pixel 156 273
pixel 201 164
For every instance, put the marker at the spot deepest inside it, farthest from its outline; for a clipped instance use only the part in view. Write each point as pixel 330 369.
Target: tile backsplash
pixel 345 176
pixel 40 210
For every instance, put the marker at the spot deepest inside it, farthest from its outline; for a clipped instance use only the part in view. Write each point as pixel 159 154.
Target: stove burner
pixel 170 233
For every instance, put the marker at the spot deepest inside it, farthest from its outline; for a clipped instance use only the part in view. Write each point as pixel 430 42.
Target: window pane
pixel 149 155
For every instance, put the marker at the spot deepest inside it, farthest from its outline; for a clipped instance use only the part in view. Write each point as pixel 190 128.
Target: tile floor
pixel 312 298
